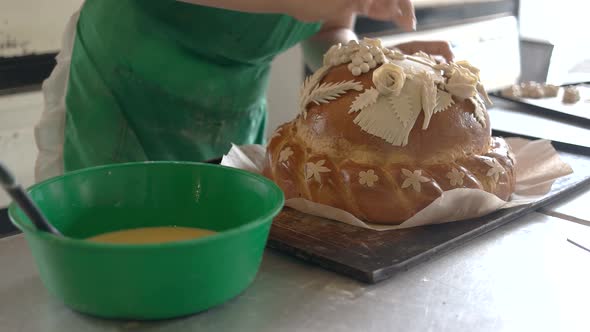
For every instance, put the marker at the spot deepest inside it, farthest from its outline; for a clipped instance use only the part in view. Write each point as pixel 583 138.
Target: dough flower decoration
pixel 495 169
pixel 314 170
pixel 285 154
pixel 413 179
pixel 462 83
pixel 455 177
pixel 389 79
pixel 368 178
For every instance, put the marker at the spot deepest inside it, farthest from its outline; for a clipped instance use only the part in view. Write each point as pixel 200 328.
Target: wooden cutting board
pixel 371 256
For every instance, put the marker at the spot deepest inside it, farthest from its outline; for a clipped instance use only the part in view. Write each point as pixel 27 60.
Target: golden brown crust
pixel 327 158
pixel 450 134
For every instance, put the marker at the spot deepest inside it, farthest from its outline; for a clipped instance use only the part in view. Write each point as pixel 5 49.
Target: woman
pixel 167 80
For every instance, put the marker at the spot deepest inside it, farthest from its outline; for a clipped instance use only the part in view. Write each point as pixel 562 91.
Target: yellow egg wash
pixel 151 235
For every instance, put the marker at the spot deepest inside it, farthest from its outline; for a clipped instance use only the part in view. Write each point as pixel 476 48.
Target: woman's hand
pixel 338 28
pixel 435 47
pixel 401 12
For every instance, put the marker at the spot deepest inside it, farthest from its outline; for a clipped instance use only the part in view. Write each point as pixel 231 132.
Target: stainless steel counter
pixel 523 276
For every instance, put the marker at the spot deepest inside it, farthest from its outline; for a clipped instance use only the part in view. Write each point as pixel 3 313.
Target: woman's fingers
pixel 401 12
pixel 404 15
pixel 434 47
pixel 363 6
pixel 442 48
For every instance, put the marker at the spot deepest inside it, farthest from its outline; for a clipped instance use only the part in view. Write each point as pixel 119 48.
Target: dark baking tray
pixel 579 112
pixel 373 256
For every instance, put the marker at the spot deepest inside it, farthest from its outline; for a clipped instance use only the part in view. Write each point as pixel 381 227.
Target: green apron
pixel 164 80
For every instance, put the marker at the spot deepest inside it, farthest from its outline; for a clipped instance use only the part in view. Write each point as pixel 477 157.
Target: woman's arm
pixel 434 47
pixel 248 6
pixel 339 27
pixel 303 10
pixel 337 30
pixel 338 18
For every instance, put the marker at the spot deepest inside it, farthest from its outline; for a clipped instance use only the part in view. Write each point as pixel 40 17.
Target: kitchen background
pixel 528 39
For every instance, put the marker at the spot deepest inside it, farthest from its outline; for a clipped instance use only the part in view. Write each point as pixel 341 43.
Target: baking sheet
pixel 372 256
pixel 579 110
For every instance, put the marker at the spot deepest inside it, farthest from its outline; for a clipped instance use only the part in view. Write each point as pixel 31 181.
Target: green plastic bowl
pixel 151 281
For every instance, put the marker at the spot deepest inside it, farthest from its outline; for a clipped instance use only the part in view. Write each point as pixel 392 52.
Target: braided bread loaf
pixel 325 154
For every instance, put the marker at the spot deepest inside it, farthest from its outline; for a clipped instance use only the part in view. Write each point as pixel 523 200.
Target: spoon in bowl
pixel 24 201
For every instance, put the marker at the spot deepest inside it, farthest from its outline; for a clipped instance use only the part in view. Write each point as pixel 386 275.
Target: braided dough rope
pixel 382 194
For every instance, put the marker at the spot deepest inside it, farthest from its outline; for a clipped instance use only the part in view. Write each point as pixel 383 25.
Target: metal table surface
pixel 523 276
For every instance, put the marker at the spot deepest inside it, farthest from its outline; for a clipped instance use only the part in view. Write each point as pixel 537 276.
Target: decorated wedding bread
pixel 382 134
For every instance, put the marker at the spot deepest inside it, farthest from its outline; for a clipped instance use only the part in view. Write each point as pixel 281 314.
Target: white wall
pixel 285 79
pixel 18 115
pixel 26 26
pixel 33 26
pixel 561 23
